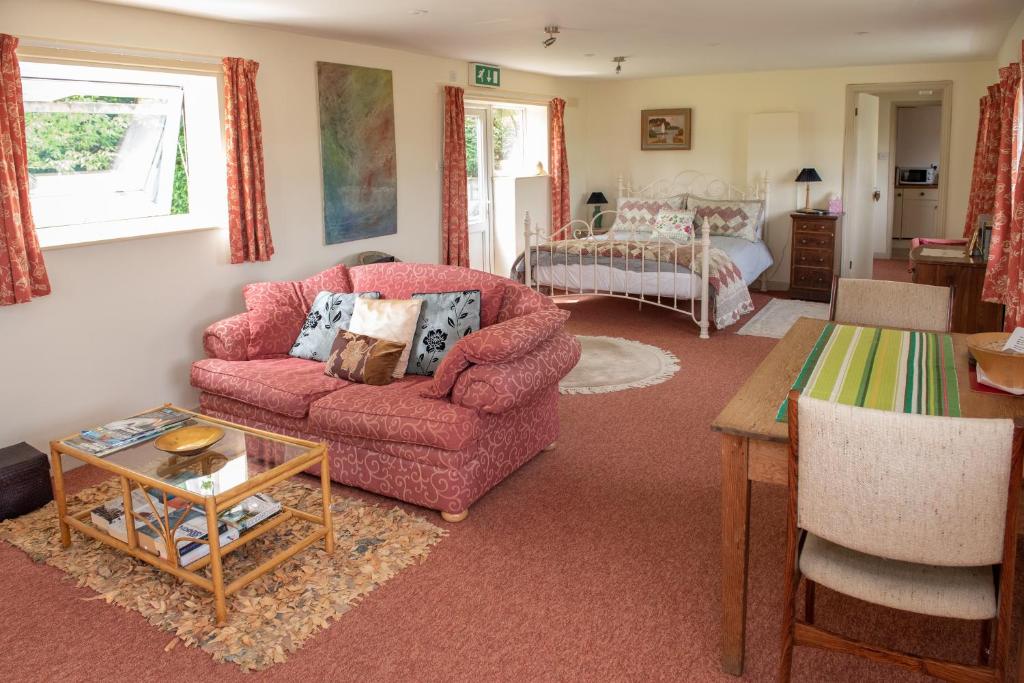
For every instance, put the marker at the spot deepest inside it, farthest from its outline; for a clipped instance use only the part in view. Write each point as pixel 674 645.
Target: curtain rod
pixel 489 95
pixel 118 50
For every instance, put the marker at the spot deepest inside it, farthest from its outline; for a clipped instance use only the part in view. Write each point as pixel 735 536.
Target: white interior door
pixel 858 256
pixel 478 187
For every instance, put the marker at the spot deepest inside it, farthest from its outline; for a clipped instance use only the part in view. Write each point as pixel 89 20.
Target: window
pixel 118 152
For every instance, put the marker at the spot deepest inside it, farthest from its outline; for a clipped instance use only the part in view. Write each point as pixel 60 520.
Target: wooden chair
pixel 883 303
pixel 913 512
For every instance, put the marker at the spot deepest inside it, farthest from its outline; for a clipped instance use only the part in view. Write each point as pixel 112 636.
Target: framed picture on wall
pixel 666 128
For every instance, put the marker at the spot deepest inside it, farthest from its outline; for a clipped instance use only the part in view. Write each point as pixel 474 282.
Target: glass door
pixel 478 187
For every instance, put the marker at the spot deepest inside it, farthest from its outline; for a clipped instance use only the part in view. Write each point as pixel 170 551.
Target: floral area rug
pixel 271 617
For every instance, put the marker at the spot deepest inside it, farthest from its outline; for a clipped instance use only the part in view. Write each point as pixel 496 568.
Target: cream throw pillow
pixel 391 319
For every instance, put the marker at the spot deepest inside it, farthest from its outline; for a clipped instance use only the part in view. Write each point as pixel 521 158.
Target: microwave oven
pixel 917 175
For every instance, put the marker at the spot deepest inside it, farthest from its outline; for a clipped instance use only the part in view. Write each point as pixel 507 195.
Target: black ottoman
pixel 24 480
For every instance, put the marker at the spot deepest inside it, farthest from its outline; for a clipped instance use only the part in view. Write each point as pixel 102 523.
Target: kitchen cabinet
pixel 915 212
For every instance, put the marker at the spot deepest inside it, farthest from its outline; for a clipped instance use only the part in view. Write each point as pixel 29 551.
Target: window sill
pixel 67 236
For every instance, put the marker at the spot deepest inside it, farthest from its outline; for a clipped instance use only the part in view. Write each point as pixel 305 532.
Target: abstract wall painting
pixel 357 152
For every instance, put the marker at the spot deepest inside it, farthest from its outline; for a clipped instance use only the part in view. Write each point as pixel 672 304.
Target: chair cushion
pixel 277 310
pixel 395 412
pixel 284 385
pixel 956 592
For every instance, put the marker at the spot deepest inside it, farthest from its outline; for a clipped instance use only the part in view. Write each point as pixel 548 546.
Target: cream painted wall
pixel 722 105
pixel 125 319
pixel 1010 49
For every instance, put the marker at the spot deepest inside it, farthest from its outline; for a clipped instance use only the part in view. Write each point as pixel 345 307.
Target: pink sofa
pixel 439 442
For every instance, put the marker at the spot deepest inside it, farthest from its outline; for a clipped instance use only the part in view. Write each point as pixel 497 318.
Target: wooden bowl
pixel 1002 367
pixel 189 440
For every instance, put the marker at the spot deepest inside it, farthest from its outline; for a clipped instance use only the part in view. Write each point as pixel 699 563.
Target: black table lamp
pixel 598 200
pixel 808 175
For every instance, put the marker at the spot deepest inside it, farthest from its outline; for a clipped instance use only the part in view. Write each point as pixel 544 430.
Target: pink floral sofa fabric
pixel 499 387
pixel 285 385
pixel 278 309
pixel 406 440
pixel 499 343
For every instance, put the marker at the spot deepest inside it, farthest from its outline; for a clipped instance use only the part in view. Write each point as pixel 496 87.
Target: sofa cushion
pixel 277 310
pixel 402 280
pixel 284 385
pixel 395 412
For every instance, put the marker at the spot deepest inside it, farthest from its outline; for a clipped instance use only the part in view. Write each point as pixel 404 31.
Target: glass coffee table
pixel 242 463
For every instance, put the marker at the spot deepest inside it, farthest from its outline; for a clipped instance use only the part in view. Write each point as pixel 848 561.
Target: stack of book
pixel 120 434
pixel 190 521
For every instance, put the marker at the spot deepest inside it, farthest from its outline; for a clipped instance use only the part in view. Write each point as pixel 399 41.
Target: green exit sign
pixel 486 75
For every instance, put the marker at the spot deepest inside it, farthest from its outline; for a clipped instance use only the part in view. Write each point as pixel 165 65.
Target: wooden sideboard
pixel 953 269
pixel 817 250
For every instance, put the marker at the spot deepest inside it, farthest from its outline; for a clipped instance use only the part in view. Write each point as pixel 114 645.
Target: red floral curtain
pixel 22 271
pixel 1003 276
pixel 454 201
pixel 560 212
pixel 986 157
pixel 248 224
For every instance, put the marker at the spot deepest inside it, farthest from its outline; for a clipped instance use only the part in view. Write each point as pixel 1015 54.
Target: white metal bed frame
pixel 684 183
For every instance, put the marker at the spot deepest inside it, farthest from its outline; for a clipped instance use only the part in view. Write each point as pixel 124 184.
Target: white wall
pixel 125 319
pixel 722 105
pixel 1009 51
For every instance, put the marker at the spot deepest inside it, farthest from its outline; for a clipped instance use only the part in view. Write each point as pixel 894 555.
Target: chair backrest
pixel 882 303
pixel 917 488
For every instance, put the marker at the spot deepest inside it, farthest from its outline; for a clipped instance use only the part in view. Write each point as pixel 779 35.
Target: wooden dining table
pixel 755 447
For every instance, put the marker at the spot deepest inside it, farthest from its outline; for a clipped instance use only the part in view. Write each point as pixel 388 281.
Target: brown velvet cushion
pixel 364 359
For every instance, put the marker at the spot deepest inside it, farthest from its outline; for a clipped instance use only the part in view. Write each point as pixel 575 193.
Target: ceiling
pixel 659 37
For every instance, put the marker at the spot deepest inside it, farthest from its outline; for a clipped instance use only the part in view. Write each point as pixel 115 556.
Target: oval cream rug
pixel 613 364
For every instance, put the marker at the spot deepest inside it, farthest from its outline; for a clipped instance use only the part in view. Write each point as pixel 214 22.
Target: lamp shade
pixel 597 198
pixel 808 175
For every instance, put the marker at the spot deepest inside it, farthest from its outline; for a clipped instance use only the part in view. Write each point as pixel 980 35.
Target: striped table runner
pixel 897 370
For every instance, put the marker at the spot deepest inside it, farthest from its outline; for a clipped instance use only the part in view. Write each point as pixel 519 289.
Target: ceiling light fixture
pixel 552 32
pixel 418 12
pixel 618 64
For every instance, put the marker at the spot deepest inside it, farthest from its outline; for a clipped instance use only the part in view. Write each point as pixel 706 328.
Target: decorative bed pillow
pixel 329 314
pixel 637 214
pixel 676 224
pixel 729 217
pixel 390 319
pixel 363 359
pixel 445 318
pixel 278 309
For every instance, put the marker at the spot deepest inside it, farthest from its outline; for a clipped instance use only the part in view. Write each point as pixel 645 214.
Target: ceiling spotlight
pixel 618 64
pixel 552 32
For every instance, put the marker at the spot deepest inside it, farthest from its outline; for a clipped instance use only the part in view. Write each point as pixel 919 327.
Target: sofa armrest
pixel 228 339
pixel 499 343
pixel 499 387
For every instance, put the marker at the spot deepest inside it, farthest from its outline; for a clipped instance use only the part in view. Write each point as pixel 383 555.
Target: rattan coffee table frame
pixel 213 505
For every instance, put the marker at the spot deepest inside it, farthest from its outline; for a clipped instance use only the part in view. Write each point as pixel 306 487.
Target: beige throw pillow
pixel 391 319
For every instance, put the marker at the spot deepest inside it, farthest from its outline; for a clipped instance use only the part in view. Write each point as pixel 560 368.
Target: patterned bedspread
pixel 729 294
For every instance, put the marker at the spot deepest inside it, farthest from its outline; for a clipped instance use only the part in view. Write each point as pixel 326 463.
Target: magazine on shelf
pixel 188 523
pixel 251 511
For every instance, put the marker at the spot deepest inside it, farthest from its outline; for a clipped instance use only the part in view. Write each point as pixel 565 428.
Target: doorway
pixel 890 127
pixel 504 141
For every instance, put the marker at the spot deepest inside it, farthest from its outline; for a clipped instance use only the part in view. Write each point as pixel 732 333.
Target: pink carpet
pixel 596 561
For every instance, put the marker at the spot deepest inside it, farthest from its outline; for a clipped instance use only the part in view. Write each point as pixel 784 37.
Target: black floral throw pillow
pixel 329 314
pixel 445 318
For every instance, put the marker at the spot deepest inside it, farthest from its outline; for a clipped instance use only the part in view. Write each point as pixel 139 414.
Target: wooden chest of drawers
pixel 817 247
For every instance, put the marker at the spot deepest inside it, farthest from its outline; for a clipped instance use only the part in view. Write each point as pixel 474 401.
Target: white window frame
pixel 207 181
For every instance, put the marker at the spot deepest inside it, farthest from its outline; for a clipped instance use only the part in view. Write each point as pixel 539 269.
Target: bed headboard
pixel 698 183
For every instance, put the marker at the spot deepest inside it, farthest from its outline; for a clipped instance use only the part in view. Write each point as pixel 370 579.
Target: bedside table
pixel 817 249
